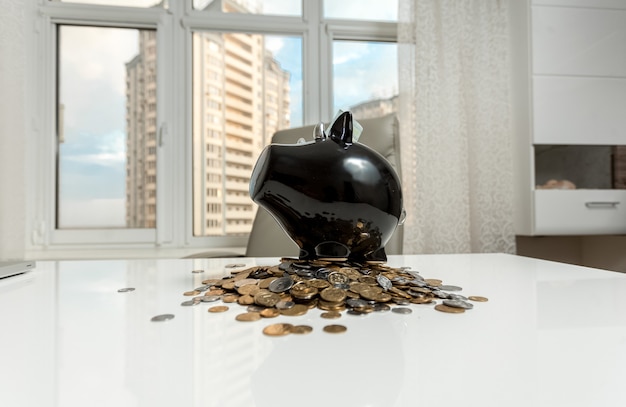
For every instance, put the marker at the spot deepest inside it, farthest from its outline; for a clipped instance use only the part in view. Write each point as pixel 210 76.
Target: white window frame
pixel 174 27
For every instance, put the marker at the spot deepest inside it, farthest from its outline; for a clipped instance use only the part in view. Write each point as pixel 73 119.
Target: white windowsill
pixel 132 253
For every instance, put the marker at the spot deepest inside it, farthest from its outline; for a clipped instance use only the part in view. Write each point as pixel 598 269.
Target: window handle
pixel 162 134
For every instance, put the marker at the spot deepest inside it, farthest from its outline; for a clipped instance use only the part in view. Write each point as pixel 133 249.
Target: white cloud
pixel 102 159
pixel 347 51
pixel 274 44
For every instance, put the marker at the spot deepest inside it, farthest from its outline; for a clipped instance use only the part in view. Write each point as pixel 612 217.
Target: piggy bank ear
pixel 341 129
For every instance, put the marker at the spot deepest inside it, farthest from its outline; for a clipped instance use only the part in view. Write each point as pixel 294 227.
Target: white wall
pixel 13 135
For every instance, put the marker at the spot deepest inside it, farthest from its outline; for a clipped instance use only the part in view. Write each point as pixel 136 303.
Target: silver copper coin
pixel 162 317
pixel 125 290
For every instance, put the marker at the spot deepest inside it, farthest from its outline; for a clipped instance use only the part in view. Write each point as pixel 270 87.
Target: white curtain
pixel 455 124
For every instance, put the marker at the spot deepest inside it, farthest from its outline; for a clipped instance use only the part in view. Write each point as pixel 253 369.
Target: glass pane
pixel 124 3
pixel 365 78
pixel 376 10
pixel 245 87
pixel 269 7
pixel 107 128
pixel 580 167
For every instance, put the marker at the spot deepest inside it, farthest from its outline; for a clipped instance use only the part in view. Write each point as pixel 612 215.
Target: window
pixel 154 113
pixel 103 148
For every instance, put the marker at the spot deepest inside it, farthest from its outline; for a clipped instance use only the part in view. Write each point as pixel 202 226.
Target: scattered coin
pixel 270 313
pixel 402 310
pixel 335 329
pixel 197 271
pixel 447 287
pixel 218 308
pixel 458 304
pixel 209 298
pixel 266 298
pixel 384 282
pixel 248 317
pixel 378 307
pixel 301 329
pixel 246 281
pixel 295 311
pixel 357 312
pixel 333 294
pixel 228 298
pixel 234 265
pixel 285 304
pixel 189 303
pixel 278 329
pixel 125 290
pixel 280 285
pixel 294 286
pixel 162 317
pixel 448 309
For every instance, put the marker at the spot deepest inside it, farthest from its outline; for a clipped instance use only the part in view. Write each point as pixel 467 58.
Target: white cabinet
pixel 569 95
pixel 578 41
pixel 579 110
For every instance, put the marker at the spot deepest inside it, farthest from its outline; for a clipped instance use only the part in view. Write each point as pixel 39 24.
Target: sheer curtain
pixel 455 124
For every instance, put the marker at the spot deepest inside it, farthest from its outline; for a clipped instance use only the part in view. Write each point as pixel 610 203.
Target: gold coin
pixel 477 298
pixel 421 300
pixel 435 282
pixel 318 283
pixel 295 311
pixel 265 283
pixel 301 329
pixel 270 313
pixel 218 308
pixel 277 329
pixel 248 317
pixel 450 310
pixel 211 281
pixel 383 297
pixel 335 329
pixel 230 298
pixel 369 280
pixel 303 291
pixel 332 294
pixel 330 315
pixel 266 298
pixel 249 289
pixel 245 300
pixel 228 284
pixel 191 293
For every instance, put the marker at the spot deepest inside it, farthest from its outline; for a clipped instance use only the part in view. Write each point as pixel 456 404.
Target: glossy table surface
pixel 551 334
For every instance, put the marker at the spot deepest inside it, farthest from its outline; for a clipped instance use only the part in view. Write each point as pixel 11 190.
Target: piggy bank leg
pixel 377 256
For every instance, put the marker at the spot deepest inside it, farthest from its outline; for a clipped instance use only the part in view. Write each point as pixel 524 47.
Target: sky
pixel 92 76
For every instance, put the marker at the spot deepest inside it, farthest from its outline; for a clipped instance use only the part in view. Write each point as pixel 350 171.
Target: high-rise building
pixel 141 131
pixel 240 98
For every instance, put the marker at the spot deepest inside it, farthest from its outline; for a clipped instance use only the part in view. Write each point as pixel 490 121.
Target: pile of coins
pixel 295 286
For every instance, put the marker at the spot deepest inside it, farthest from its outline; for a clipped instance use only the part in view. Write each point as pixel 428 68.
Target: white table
pixel 550 335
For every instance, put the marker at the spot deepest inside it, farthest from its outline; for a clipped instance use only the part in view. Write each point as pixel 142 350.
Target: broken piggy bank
pixel 335 198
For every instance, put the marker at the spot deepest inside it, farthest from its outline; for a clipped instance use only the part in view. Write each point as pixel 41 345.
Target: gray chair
pixel 267 239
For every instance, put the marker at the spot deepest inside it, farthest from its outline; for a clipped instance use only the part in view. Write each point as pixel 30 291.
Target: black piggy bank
pixel 336 199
